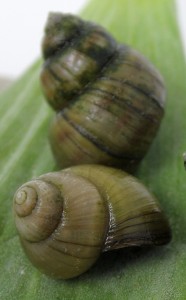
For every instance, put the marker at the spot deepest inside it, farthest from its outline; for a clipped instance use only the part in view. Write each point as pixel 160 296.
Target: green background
pixel 157 273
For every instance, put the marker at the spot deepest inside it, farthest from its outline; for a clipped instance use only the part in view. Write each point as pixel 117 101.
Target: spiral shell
pixel 109 98
pixel 66 219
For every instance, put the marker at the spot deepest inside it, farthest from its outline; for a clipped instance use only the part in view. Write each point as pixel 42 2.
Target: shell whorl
pixel 78 230
pixel 109 98
pixel 66 219
pixel 42 201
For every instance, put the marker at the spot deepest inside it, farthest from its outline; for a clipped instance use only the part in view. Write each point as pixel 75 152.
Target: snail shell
pixel 66 219
pixel 109 98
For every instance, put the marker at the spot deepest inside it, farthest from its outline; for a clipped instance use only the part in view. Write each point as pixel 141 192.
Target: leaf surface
pixel 158 273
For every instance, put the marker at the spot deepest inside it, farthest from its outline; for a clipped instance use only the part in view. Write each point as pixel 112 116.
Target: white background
pixel 21 29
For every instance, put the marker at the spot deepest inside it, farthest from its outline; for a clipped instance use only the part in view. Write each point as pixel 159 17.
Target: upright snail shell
pixel 109 98
pixel 66 219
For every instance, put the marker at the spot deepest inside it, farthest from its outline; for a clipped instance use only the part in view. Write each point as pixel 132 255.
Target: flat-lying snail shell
pixel 66 219
pixel 109 98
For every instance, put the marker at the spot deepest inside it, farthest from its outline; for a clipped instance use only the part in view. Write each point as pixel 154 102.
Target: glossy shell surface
pixel 66 219
pixel 109 98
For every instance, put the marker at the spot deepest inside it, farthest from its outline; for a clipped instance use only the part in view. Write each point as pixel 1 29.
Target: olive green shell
pixel 109 99
pixel 66 219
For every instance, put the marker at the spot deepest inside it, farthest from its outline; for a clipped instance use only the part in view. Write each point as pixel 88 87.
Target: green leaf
pixel 158 273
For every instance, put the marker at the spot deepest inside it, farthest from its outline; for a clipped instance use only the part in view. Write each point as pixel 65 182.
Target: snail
pixel 66 219
pixel 108 97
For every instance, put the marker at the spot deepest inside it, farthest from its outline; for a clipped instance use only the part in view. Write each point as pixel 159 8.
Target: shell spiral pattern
pixel 109 98
pixel 66 219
